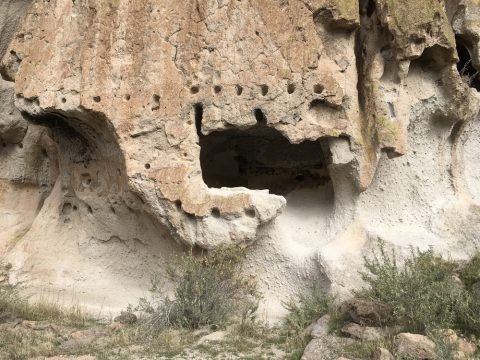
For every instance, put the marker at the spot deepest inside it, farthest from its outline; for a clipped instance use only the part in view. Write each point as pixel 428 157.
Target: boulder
pixel 325 348
pixel 414 346
pixel 365 333
pixel 465 349
pixel 126 318
pixel 368 312
pixel 383 354
pixel 319 328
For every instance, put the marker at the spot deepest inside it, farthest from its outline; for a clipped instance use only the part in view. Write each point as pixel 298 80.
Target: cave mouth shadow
pixel 260 158
pixel 465 65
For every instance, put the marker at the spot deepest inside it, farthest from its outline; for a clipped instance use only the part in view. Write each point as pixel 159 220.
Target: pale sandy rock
pixel 415 346
pixel 382 354
pixel 130 129
pixel 325 348
pixel 319 328
pixel 366 333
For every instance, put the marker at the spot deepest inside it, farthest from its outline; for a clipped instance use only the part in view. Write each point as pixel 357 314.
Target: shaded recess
pixel 260 158
pixel 465 65
pixel 89 157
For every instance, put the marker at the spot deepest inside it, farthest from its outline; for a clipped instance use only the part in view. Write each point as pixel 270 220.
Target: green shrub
pixel 209 290
pixel 470 273
pixel 303 309
pixel 422 291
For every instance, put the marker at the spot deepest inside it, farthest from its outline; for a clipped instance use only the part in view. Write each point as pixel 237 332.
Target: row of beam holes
pixel 216 211
pixel 217 89
pixel 248 211
pixel 155 100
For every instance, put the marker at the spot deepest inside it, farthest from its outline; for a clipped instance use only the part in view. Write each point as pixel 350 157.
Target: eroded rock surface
pixel 131 129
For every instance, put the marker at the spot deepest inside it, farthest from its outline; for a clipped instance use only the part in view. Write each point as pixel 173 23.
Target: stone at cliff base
pixel 367 312
pixel 319 328
pixel 325 348
pixel 133 129
pixel 415 346
pixel 383 354
pixel 365 333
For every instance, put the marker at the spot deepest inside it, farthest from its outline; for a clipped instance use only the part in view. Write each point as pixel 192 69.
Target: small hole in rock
pixel 156 102
pixel 317 102
pixel 198 118
pixel 75 207
pixel 260 116
pixel 264 89
pixel 64 100
pixel 194 89
pixel 217 89
pixel 318 88
pixel 215 212
pixel 97 99
pixel 112 209
pixel 370 8
pixel 66 208
pixel 250 212
pixel 291 88
pixel 127 97
pixel 178 204
pixel 239 90
pixel 90 210
pixel 147 166
pixel 20 146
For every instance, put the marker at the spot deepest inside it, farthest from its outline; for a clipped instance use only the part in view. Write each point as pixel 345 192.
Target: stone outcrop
pixel 133 129
pixel 414 346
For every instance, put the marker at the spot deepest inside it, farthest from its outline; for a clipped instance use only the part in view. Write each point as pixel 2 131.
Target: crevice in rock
pixel 465 66
pixel 260 158
pixel 198 118
pixel 433 59
pixel 89 157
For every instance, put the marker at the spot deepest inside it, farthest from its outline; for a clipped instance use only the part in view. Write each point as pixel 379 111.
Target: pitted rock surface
pixel 130 130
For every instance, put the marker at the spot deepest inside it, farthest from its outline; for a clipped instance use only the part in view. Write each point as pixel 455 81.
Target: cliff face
pixel 133 129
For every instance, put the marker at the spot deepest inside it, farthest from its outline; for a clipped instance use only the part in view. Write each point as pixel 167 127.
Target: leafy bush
pixel 470 273
pixel 424 292
pixel 303 309
pixel 209 290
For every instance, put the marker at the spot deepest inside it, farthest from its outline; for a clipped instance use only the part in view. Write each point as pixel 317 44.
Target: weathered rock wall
pixel 310 129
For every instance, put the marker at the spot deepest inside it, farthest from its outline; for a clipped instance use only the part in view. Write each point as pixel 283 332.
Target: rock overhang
pixel 147 67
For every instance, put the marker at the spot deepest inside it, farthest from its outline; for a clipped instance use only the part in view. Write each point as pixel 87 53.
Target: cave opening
pixel 260 158
pixel 465 65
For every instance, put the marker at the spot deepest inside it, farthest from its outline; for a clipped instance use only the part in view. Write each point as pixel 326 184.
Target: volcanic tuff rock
pixel 132 129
